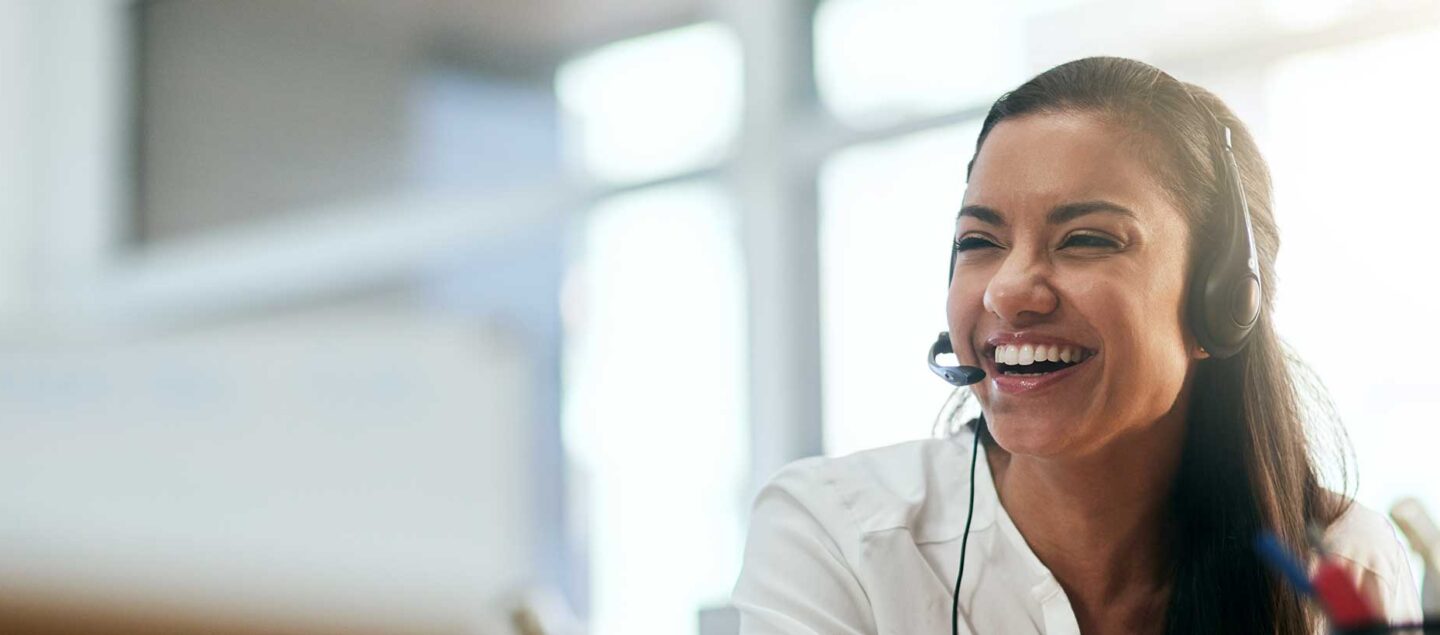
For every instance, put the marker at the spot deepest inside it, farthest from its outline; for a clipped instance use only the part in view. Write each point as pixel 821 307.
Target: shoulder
pixel 913 485
pixel 1365 539
pixel 1367 543
pixel 805 553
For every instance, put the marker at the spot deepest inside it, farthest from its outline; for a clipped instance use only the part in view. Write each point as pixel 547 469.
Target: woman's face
pixel 1070 250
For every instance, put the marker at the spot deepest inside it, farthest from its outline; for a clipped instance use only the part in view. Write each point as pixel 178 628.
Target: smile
pixel 1037 359
pixel 1022 366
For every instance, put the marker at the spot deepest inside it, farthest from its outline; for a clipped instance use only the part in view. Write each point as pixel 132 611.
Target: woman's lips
pixel 1020 384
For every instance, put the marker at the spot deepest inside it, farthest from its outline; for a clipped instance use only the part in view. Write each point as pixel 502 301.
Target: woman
pixel 1120 482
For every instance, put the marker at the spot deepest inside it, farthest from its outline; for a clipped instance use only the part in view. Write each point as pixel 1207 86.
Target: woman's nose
pixel 1020 291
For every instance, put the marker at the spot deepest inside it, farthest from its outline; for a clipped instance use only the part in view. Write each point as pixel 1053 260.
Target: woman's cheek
pixel 962 309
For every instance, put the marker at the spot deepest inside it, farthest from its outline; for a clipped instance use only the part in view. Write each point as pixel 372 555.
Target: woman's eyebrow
pixel 1071 211
pixel 1061 214
pixel 982 214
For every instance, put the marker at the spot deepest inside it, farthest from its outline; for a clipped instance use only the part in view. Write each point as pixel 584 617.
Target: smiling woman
pixel 1132 445
pixel 1078 245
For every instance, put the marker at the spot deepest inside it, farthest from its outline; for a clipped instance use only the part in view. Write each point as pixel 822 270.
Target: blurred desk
pixel 55 614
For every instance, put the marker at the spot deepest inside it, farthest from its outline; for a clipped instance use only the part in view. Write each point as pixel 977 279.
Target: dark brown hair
pixel 1250 462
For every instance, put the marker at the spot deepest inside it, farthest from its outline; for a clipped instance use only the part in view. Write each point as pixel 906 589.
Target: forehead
pixel 1032 163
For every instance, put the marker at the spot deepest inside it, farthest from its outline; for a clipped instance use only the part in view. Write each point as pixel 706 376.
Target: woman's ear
pixel 1198 352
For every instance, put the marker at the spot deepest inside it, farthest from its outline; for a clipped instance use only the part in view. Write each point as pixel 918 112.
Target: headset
pixel 1223 300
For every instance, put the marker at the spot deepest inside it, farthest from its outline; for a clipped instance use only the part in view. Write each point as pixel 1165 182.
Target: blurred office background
pixel 356 314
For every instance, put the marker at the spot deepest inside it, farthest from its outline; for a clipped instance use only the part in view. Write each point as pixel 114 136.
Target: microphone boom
pixel 956 375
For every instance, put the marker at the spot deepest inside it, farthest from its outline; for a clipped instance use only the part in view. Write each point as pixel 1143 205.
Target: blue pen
pixel 1274 553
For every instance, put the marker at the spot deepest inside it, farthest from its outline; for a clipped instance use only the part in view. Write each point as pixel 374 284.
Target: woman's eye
pixel 972 242
pixel 1089 240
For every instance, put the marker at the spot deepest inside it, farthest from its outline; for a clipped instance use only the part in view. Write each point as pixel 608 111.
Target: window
pixel 655 408
pixel 653 105
pixel 1351 141
pixel 879 61
pixel 887 217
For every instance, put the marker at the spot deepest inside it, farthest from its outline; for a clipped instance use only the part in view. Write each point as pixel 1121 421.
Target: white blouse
pixel 869 543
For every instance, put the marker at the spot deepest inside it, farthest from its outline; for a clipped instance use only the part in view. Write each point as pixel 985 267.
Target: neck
pixel 1100 522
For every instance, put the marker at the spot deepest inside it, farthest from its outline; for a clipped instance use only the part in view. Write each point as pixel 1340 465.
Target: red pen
pixel 1337 594
pixel 1342 601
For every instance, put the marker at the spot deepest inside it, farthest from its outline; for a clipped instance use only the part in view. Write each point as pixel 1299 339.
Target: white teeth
pixel 1027 354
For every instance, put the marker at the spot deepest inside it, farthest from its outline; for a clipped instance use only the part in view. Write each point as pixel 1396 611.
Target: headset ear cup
pixel 1224 297
pixel 1245 302
pixel 1224 306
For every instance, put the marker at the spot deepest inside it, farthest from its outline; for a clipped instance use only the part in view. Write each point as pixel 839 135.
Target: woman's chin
pixel 1032 436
